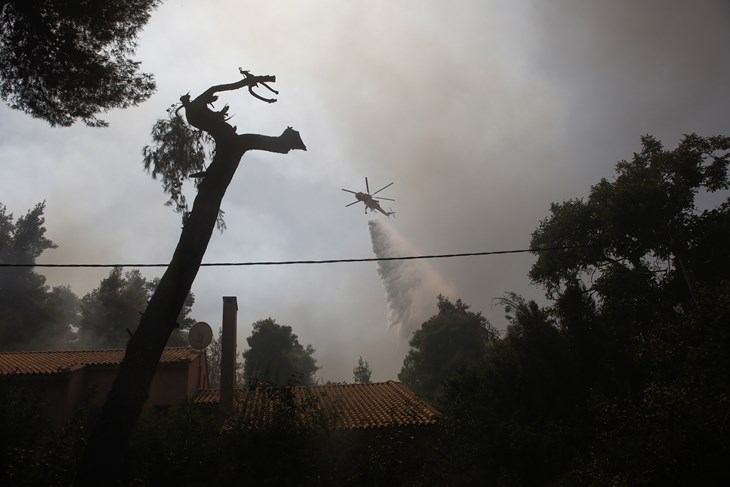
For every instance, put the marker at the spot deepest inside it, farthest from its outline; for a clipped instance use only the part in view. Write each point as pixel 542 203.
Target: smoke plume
pixel 411 286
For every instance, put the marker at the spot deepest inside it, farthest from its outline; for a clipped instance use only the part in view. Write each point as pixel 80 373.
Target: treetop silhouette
pixel 68 61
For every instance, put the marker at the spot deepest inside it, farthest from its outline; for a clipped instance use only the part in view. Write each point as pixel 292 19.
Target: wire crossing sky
pixel 325 261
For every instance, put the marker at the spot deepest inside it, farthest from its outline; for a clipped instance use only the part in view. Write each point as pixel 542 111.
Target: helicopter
pixel 371 203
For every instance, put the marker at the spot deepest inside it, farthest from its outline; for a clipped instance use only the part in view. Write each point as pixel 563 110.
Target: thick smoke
pixel 411 286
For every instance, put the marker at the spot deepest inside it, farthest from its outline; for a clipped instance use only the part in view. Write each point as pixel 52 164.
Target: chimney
pixel 228 357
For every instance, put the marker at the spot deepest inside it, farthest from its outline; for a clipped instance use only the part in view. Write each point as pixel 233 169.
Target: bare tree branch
pixel 130 390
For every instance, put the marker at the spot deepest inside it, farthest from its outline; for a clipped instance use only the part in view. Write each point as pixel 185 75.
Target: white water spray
pixel 411 286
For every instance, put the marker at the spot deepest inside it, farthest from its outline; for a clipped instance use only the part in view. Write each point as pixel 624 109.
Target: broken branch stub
pixel 248 76
pixel 199 114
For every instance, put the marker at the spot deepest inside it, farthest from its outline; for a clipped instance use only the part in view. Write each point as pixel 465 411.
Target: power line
pixel 325 261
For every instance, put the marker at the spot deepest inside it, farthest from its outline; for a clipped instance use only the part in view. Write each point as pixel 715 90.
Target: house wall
pixel 169 386
pixel 173 384
pixel 86 387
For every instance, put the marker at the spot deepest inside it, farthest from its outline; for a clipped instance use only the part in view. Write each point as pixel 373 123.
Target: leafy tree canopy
pixel 446 343
pixel 34 316
pixel 361 373
pixel 178 150
pixel 639 307
pixel 648 249
pixel 67 61
pixel 514 408
pixel 642 231
pixel 110 313
pixel 275 355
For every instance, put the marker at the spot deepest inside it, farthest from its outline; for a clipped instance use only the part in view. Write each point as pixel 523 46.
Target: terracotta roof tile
pixel 55 362
pixel 343 406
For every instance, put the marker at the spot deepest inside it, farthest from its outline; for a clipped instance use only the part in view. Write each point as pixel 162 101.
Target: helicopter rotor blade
pixel 381 189
pixel 354 202
pixel 353 192
pixel 366 185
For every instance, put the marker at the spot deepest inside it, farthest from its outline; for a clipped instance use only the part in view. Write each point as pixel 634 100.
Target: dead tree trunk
pixel 107 443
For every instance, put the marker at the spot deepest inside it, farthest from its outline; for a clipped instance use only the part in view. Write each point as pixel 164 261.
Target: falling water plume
pixel 411 286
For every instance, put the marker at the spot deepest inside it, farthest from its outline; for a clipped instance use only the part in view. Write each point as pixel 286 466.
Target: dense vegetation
pixel 625 378
pixel 34 315
pixel 622 379
pixel 276 357
pixel 40 317
pixel 64 62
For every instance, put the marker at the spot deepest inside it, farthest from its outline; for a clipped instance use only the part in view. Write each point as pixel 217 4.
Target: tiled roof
pixel 34 363
pixel 342 406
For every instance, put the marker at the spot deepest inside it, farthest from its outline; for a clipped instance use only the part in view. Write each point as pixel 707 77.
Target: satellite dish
pixel 200 335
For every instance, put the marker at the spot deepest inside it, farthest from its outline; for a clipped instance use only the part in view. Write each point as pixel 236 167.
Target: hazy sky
pixel 481 112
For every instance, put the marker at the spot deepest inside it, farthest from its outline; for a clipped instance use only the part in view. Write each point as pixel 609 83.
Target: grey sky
pixel 481 112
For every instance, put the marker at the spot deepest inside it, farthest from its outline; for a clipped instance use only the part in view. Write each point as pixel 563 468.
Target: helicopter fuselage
pixel 371 203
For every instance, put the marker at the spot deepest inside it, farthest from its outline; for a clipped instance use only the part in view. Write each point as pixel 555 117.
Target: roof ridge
pixel 404 391
pixel 337 384
pixel 89 350
pixel 58 361
pixel 310 386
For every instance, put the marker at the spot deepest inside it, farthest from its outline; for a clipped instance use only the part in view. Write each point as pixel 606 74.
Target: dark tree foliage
pixel 110 313
pixel 513 409
pixel 34 315
pixel 32 452
pixel 640 308
pixel 674 431
pixel 276 357
pixel 361 373
pixel 66 61
pixel 649 250
pixel 446 343
pixel 23 425
pixel 178 151
pixel 642 232
pixel 623 378
pixel 175 447
pixel 129 392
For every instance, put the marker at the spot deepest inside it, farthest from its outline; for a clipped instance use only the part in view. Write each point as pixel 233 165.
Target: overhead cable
pixel 324 261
